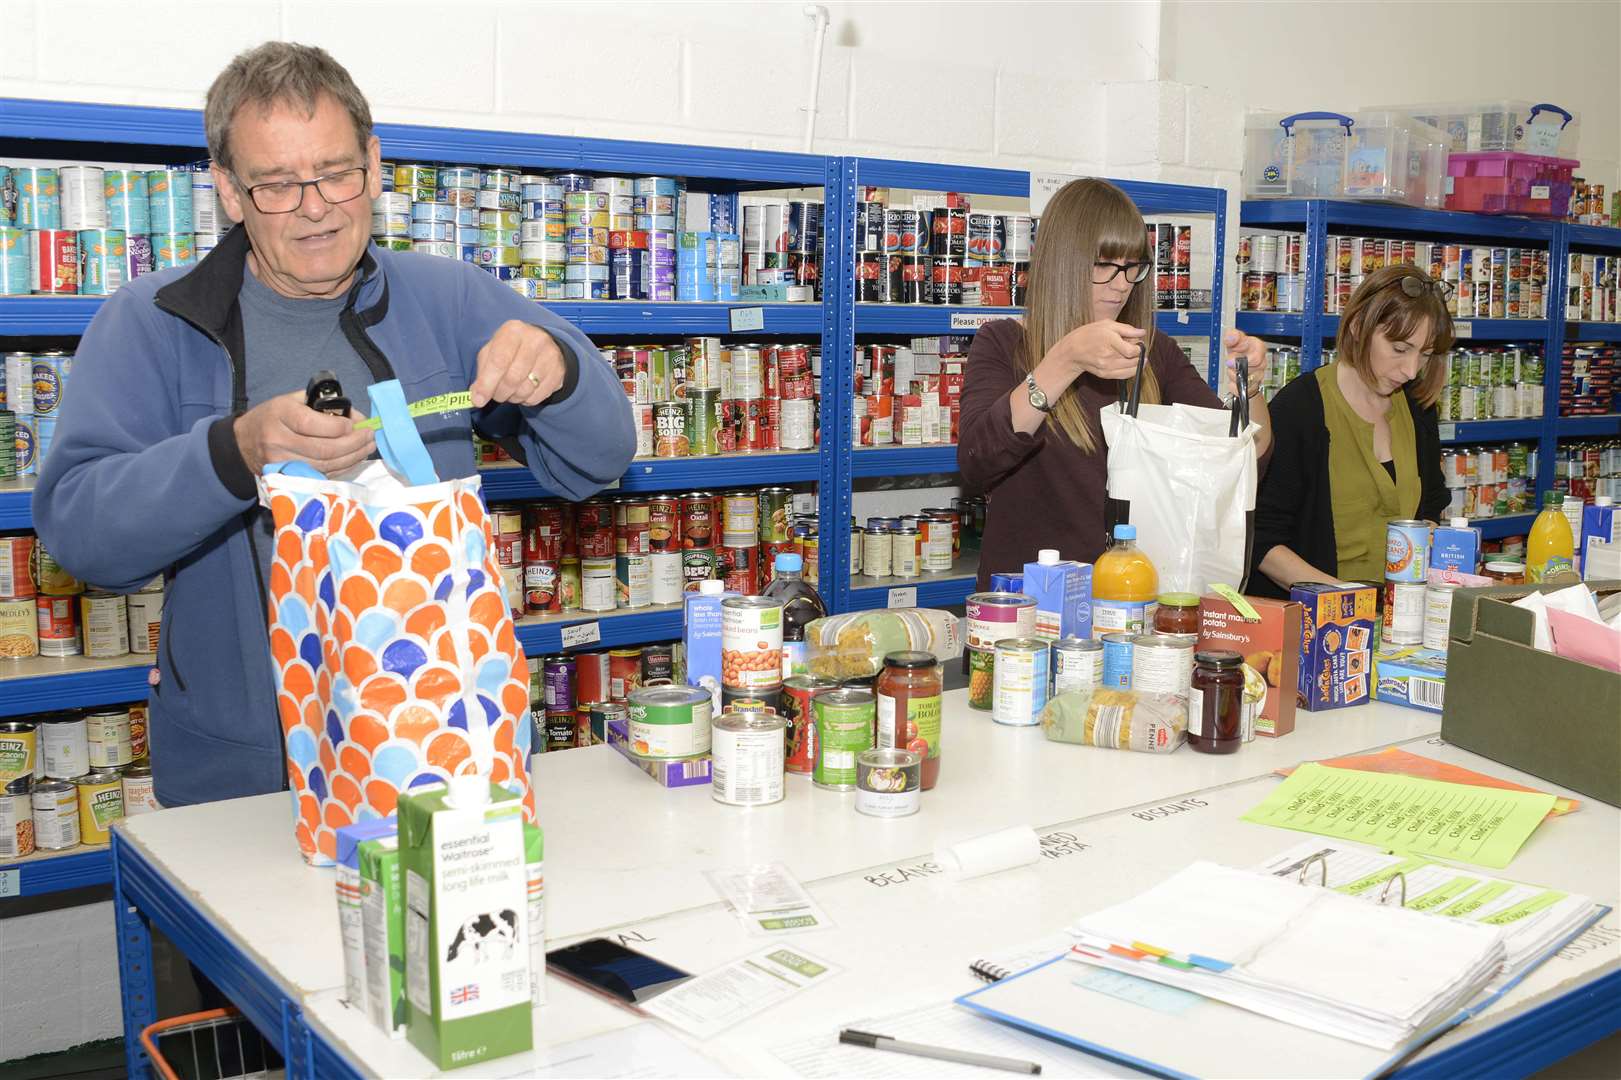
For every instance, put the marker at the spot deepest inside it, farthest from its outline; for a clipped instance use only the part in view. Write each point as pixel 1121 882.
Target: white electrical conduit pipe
pixel 818 13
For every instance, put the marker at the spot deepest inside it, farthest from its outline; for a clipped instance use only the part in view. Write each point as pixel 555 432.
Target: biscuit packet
pixel 1150 723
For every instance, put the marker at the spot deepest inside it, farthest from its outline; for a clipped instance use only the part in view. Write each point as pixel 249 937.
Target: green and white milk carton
pixel 382 917
pixel 534 850
pixel 466 922
pixel 350 912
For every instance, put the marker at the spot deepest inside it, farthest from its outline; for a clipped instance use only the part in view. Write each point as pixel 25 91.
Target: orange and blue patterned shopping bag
pixel 396 660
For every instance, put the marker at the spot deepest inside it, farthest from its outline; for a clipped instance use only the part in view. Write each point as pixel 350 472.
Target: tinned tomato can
pixel 594 526
pixel 624 673
pixel 798 696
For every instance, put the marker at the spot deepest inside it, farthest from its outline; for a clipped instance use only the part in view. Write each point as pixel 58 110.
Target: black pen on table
pixel 941 1053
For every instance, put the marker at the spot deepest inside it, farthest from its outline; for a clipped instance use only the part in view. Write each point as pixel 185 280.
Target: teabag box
pixel 1062 589
pixel 1336 643
pixel 466 925
pixel 350 923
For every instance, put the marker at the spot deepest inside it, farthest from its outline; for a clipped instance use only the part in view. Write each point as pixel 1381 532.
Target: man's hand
pixel 285 429
pixel 520 364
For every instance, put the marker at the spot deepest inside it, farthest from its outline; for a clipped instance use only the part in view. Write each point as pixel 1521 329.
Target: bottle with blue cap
pixel 1125 586
pixel 801 603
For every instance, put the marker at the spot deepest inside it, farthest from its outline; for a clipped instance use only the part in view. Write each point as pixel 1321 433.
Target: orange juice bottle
pixel 1550 549
pixel 1124 587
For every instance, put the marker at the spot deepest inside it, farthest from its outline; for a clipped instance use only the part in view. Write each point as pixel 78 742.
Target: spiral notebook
pixel 997 966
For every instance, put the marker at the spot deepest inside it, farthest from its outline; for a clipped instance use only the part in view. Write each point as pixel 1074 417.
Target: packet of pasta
pixel 1117 720
pixel 854 644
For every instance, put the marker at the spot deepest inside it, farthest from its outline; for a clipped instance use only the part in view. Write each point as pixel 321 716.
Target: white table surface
pixel 625 855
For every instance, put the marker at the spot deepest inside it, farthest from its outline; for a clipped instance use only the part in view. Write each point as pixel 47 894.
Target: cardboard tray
pixel 1534 711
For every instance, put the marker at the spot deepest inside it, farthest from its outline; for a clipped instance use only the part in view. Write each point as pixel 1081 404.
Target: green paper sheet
pixel 1482 826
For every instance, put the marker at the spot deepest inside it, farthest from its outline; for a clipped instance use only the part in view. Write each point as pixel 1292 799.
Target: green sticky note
pixel 1477 825
pixel 1240 605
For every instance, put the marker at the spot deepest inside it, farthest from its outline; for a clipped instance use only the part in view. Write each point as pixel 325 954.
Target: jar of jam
pixel 1505 572
pixel 1216 702
pixel 909 708
pixel 1178 613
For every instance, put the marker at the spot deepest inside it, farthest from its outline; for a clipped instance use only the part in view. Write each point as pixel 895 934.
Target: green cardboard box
pixel 1531 710
pixel 382 914
pixel 466 925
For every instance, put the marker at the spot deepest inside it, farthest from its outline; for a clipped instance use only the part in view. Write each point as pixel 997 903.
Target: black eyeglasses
pixel 285 196
pixel 1105 272
pixel 1415 286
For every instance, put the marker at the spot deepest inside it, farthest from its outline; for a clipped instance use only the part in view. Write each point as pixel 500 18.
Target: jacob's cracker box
pixel 466 922
pixel 1336 643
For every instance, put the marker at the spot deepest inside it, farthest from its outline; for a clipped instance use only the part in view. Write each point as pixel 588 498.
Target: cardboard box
pixel 1337 624
pixel 686 772
pixel 1063 594
pixel 346 877
pixel 1271 647
pixel 1543 714
pixel 383 923
pixel 1412 677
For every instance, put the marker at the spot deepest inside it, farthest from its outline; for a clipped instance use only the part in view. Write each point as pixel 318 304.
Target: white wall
pixel 1340 56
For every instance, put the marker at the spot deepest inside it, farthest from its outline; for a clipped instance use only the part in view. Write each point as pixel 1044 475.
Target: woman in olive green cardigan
pixel 1355 442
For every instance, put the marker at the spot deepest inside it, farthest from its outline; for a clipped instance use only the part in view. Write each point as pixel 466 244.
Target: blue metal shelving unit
pixel 78 868
pixel 73 687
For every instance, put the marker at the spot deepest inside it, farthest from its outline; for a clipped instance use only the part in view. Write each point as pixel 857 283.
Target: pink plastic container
pixel 1507 183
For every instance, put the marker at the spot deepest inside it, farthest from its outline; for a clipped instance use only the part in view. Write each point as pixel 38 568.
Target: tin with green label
pixel 844 728
pixel 703 409
pixel 669 722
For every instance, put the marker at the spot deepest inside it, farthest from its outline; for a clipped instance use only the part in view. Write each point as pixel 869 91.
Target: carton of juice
pixel 1336 643
pixel 466 925
pixel 1062 589
pixel 382 903
pixel 350 923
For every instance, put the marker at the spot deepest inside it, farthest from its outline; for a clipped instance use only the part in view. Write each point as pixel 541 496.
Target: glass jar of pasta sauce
pixel 1178 613
pixel 909 708
pixel 1216 702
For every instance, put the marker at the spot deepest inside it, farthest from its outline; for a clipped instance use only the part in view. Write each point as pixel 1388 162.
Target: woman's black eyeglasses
pixel 1415 286
pixel 1105 272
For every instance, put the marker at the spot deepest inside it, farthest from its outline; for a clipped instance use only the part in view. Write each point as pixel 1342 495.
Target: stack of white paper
pixel 1372 974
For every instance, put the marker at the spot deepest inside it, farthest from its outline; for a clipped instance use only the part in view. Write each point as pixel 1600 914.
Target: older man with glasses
pixel 189 381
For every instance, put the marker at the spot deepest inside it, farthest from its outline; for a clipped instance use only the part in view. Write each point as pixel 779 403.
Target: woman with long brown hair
pixel 1358 443
pixel 1029 434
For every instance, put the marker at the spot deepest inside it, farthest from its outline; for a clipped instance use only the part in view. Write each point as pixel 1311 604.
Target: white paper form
pixel 823 1056
pixel 769 900
pixel 645 1050
pixel 714 1001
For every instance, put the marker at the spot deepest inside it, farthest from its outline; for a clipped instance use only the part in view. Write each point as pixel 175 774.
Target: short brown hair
pixel 1382 303
pixel 279 73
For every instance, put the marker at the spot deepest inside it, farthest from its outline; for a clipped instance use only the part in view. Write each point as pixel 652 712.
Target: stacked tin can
pixel 899 403
pixel 32 385
pixel 782 248
pixel 1587 204
pixel 1497 383
pixel 574 696
pixel 1271 272
pixel 909 545
pixel 1588 381
pixel 1489 481
pixel 1171 246
pixel 1593 288
pixel 1282 367
pixel 946 255
pixel 633 551
pixel 1588 468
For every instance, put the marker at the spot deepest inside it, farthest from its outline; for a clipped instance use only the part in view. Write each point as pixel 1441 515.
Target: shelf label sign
pixel 1448 431
pixel 904 596
pixel 972 320
pixel 747 318
pixel 11 882
pixel 1463 329
pixel 584 633
pixel 1182 317
pixel 1540 191
pixel 1043 186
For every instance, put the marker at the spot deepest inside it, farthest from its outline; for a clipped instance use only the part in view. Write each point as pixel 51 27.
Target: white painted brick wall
pixel 61 979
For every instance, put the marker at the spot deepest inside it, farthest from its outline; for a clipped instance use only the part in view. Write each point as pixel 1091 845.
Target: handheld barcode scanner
pixel 325 394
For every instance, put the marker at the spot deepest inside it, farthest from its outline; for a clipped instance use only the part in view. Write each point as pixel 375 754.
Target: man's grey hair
pixel 279 73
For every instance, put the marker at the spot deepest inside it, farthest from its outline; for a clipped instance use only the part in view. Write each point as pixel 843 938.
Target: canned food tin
pixel 698 520
pixel 1438 599
pixel 1407 551
pixel 1404 613
pixel 844 728
pixel 597 584
pixel 84 197
pixel 16 826
pixel 14 263
pixel 633 580
pixel 740 515
pixel 137 730
pixel 1020 681
pixel 904 553
pixel 670 429
pixel 104 620
pixel 665 573
pixel 107 738
pixel 937 546
pixel 55 806
pixel 663 524
pixel 540 587
pixel 569 585
pixel 1077 664
pixel 877 552
pixel 889 783
pixel 562 730
pixel 669 722
pixel 775 514
pixel 19 755
pixel 799 693
pixel 981 677
pixel 632 527
pixel 747 749
pixel 1163 664
pixel 993 617
pixel 557 674
pixel 145 619
pixel 751 643
pixel 103 255
pixel 53 261
pixel 1117 661
pixel 19 629
pixel 624 673
pixel 101 802
pixel 697 565
pixel 593 678
pixel 738 564
pixel 64 746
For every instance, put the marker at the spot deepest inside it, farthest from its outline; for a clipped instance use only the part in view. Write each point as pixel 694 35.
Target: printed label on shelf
pixel 581 634
pixel 1448 431
pixel 1182 317
pixel 1042 188
pixel 1540 191
pixel 969 320
pixel 903 596
pixel 747 318
pixel 1463 329
pixel 10 882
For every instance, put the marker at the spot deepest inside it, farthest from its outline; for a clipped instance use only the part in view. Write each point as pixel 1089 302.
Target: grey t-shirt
pixel 286 341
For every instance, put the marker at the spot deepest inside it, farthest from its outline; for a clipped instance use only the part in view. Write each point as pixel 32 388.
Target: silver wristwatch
pixel 1038 397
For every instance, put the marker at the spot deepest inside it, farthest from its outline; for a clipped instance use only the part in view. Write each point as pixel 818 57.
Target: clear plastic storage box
pixel 1518 127
pixel 1382 155
pixel 1502 183
pixel 1395 158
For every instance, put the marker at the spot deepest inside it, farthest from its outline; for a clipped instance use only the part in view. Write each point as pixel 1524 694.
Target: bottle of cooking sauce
pixel 1124 585
pixel 909 708
pixel 1178 613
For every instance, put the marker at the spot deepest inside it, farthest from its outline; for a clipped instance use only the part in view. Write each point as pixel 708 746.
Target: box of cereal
pixel 1336 643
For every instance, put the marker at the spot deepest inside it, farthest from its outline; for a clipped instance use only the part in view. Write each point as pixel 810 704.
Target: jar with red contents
pixel 1178 613
pixel 909 692
pixel 1216 702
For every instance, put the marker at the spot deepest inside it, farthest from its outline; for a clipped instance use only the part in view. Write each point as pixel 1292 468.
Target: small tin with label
pixel 889 782
pixel 747 749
